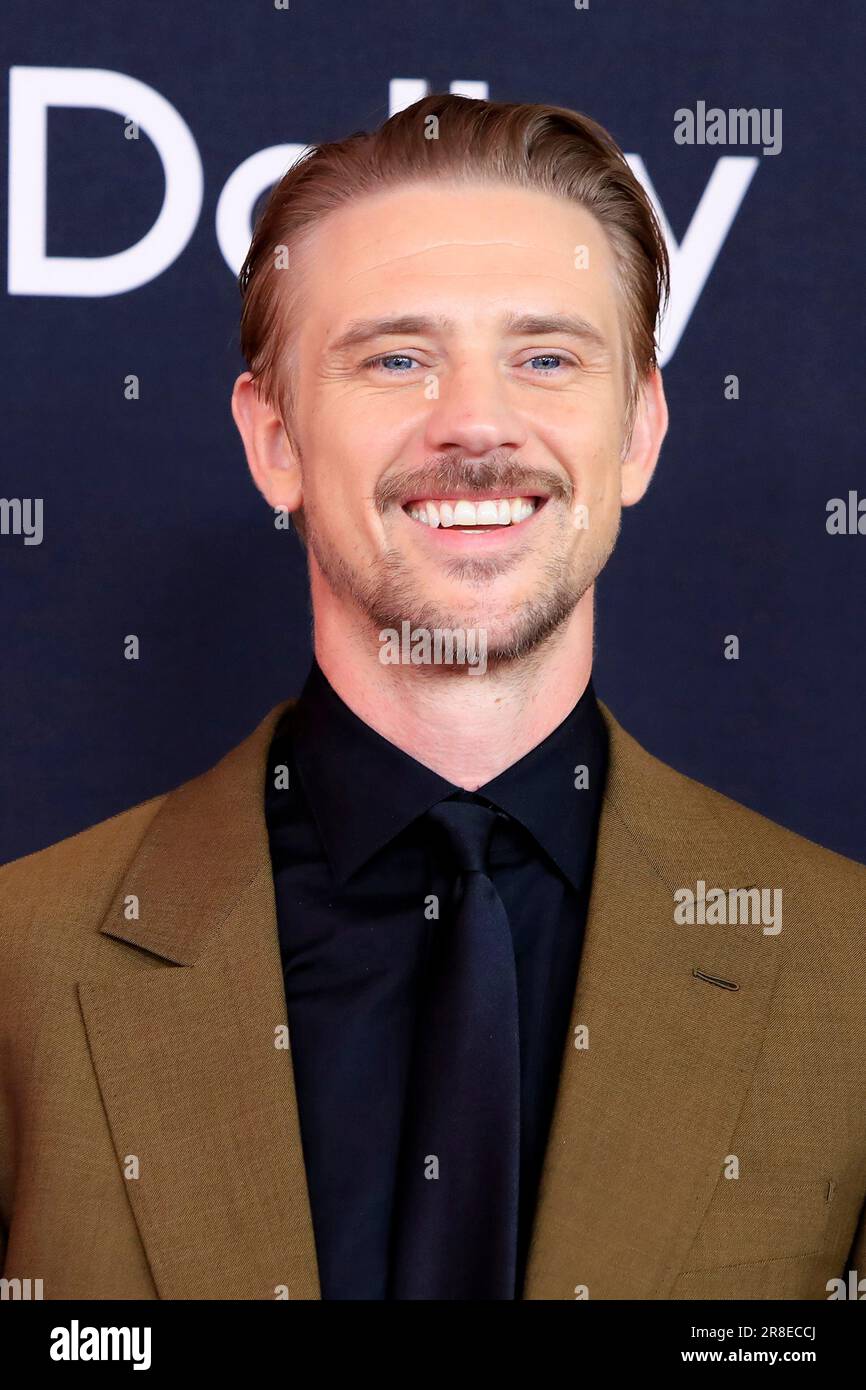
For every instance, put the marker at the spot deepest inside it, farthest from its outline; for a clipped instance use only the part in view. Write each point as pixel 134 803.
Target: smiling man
pixel 443 1030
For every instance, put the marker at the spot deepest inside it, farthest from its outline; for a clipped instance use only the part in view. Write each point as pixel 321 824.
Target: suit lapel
pixel 644 1114
pixel 193 1085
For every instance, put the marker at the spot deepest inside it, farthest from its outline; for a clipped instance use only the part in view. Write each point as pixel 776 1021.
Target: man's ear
pixel 650 428
pixel 272 459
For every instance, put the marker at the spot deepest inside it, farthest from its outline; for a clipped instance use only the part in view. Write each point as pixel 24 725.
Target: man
pixel 439 985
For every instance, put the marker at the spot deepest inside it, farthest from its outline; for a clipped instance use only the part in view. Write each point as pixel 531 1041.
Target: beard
pixel 391 592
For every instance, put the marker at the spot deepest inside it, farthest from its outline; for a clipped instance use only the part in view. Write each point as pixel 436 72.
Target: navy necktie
pixel 456 1206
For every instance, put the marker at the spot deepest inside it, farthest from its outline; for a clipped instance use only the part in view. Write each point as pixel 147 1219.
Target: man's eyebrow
pixel 570 325
pixel 361 331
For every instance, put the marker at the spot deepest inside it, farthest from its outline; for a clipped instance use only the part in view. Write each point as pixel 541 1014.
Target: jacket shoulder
pixel 653 783
pixel 767 836
pixel 62 893
pixel 74 877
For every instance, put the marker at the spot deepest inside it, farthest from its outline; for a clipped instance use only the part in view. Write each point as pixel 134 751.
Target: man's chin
pixel 454 640
pixel 511 615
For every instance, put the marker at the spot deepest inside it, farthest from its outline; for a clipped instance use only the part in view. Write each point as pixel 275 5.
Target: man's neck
pixel 466 726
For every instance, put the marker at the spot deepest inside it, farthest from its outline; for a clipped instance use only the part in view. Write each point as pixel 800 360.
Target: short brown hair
pixel 456 139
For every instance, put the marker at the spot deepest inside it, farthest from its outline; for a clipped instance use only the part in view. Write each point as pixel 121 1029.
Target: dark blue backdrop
pixel 152 526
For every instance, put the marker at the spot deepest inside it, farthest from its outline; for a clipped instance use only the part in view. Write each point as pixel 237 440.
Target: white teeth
pixel 503 511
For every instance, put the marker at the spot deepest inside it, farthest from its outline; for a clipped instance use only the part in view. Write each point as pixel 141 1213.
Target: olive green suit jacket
pixel 709 1133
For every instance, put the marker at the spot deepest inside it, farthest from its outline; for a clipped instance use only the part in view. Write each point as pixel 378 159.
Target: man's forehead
pixel 478 220
pixel 414 252
pixel 431 238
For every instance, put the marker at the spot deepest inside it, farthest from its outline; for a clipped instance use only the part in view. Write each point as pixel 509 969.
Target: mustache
pixel 460 476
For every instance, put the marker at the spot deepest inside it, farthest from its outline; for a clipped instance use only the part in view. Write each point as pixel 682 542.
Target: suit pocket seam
pixel 753 1264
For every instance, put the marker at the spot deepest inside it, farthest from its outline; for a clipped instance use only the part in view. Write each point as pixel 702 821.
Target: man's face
pixel 469 401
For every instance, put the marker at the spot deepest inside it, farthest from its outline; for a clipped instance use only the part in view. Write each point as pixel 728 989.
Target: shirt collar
pixel 363 790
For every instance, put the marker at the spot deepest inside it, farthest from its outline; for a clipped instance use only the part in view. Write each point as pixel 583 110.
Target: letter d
pixel 31 271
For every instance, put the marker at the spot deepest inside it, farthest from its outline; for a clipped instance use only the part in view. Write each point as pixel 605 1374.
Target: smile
pixel 473 517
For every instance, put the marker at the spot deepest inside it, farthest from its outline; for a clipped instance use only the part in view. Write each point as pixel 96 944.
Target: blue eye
pixel 391 357
pixel 545 357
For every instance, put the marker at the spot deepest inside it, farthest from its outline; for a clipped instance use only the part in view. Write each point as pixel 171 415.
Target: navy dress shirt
pixel 352 869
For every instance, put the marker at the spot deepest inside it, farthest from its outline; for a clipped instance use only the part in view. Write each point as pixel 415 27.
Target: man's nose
pixel 473 411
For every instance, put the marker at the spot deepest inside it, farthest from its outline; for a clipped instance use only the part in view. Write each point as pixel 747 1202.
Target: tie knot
pixel 468 826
